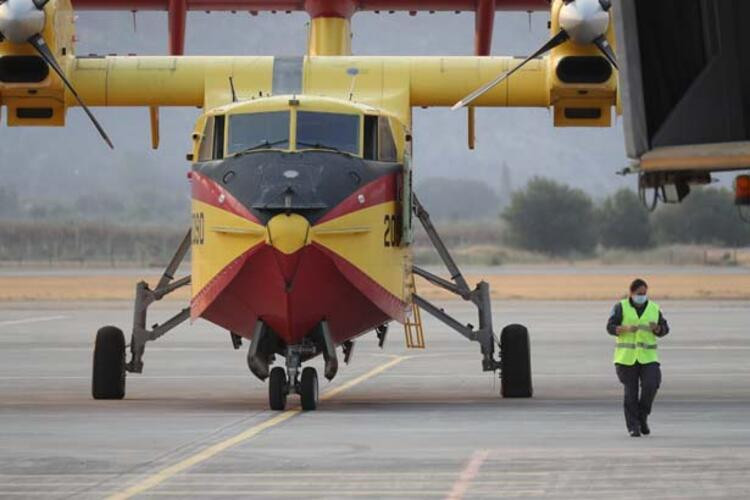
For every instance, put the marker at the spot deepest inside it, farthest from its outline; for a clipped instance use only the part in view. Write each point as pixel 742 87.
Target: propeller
pixel 582 22
pixel 22 21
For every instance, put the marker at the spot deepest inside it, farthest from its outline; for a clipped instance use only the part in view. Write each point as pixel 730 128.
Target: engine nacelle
pixel 583 84
pixel 33 94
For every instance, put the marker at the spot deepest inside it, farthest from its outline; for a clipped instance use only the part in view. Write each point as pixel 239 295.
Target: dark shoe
pixel 635 433
pixel 644 428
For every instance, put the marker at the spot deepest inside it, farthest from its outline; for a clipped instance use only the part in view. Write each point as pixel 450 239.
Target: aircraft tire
pixel 515 355
pixel 309 388
pixel 108 374
pixel 277 389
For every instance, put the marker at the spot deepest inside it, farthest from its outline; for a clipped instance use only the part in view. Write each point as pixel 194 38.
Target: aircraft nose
pixel 288 233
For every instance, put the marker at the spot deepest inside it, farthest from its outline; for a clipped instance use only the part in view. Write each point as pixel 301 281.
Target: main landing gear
pixel 515 359
pixel 109 366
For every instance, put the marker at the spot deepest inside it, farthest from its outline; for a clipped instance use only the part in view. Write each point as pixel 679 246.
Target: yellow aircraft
pixel 303 209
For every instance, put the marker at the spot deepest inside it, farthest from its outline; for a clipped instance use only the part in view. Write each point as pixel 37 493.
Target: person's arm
pixel 662 328
pixel 615 320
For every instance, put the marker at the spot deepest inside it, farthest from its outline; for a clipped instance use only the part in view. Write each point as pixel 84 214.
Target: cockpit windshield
pixel 334 131
pixel 258 131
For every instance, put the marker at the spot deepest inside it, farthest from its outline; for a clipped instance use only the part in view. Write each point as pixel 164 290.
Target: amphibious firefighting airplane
pixel 303 210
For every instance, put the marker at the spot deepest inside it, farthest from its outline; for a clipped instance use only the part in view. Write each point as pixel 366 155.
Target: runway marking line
pixel 468 474
pixel 168 472
pixel 31 320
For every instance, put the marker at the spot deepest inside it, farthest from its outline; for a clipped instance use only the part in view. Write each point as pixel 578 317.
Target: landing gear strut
pixel 514 363
pixel 108 377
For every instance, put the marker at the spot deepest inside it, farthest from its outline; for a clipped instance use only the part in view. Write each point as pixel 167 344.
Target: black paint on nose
pixel 309 183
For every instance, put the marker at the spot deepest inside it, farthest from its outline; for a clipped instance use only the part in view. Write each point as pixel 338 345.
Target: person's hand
pixel 654 327
pixel 634 328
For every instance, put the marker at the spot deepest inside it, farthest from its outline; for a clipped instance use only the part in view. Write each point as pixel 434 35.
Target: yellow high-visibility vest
pixel 637 346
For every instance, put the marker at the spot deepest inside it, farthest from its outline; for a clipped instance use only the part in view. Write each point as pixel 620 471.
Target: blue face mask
pixel 640 299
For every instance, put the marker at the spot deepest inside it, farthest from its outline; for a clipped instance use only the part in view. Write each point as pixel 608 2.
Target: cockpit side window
pixel 205 152
pixel 378 139
pixel 386 145
pixel 336 131
pixel 371 138
pixel 218 152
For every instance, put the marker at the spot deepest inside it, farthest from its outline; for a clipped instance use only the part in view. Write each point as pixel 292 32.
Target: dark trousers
pixel 648 376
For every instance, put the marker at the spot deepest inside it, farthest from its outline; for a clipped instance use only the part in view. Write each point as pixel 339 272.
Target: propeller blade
pixel 556 40
pixel 41 46
pixel 605 48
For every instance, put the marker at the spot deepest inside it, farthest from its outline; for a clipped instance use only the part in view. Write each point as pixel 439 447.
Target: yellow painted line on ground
pixel 213 450
pixel 468 474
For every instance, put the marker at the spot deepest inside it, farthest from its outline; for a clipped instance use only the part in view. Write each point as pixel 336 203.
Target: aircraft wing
pixel 177 11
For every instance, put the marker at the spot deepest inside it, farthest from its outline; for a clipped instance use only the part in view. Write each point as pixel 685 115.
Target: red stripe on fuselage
pixel 211 193
pixel 379 191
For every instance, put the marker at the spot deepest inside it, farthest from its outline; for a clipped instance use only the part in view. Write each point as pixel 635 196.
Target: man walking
pixel 636 322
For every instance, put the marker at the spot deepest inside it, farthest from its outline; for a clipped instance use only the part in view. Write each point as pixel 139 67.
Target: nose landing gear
pixel 282 382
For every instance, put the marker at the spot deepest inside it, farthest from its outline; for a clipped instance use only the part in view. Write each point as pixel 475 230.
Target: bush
pixel 551 218
pixel 707 216
pixel 624 222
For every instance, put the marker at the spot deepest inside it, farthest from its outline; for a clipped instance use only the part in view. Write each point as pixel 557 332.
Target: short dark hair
pixel 636 284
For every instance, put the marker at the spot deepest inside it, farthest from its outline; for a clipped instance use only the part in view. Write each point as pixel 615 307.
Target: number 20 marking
pixel 392 234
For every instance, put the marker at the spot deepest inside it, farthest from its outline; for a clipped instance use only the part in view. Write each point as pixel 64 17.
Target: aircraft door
pixel 407 234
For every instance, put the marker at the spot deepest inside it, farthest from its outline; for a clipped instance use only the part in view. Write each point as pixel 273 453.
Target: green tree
pixel 551 218
pixel 707 216
pixel 624 222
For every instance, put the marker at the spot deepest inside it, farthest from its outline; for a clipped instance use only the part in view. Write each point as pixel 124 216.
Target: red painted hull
pixel 293 293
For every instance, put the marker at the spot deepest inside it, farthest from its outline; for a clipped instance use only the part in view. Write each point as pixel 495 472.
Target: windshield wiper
pixel 262 145
pixel 318 145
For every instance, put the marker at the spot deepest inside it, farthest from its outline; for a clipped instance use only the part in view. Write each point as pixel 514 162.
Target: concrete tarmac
pixel 396 423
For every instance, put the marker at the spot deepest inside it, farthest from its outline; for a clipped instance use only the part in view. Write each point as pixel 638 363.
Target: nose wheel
pixel 308 389
pixel 280 386
pixel 277 389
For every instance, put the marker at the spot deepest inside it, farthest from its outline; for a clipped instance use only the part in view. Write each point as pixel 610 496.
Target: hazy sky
pixel 75 159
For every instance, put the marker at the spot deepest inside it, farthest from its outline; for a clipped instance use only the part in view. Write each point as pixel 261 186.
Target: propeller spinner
pixel 22 21
pixel 581 21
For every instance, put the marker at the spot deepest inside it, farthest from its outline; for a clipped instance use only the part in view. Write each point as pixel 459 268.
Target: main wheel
pixel 277 389
pixel 309 388
pixel 108 377
pixel 515 355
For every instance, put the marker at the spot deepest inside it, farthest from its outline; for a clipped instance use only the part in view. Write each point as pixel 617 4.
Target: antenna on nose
pixel 353 72
pixel 231 87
